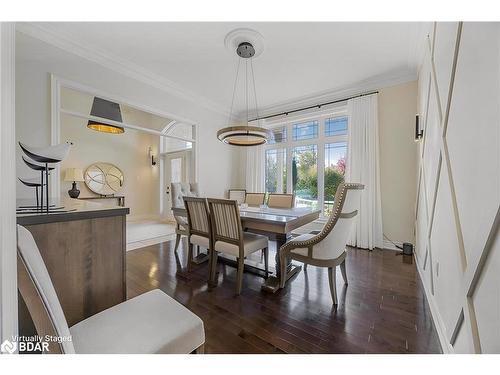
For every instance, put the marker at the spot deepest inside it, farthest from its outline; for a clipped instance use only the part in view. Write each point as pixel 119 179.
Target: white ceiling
pixel 300 60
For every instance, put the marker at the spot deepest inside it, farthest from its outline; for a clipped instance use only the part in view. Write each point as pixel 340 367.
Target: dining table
pixel 278 225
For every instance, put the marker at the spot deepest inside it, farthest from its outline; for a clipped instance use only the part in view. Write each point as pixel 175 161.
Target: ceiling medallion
pixel 244 135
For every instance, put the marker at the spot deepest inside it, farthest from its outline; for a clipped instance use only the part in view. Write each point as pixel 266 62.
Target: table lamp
pixel 73 175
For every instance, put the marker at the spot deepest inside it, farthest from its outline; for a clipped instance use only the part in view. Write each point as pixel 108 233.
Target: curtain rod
pixel 286 113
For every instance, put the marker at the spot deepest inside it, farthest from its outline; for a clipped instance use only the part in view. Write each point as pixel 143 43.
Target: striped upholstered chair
pixel 179 190
pixel 328 247
pixel 255 199
pixel 276 200
pixel 199 228
pixel 228 237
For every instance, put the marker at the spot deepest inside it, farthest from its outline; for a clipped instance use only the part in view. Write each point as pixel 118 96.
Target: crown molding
pixel 372 84
pixel 122 66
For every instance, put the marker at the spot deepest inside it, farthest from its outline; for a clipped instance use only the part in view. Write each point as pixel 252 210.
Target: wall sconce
pixel 419 133
pixel 151 156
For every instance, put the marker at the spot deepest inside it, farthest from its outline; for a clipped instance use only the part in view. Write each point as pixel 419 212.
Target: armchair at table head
pixel 328 247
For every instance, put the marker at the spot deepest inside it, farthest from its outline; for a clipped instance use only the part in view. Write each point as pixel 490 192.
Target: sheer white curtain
pixel 363 167
pixel 255 173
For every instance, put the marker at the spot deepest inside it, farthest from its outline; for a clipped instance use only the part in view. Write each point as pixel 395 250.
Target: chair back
pixel 226 222
pixel 255 199
pixel 237 195
pixel 38 293
pixel 280 200
pixel 178 190
pixel 337 230
pixel 331 242
pixel 198 216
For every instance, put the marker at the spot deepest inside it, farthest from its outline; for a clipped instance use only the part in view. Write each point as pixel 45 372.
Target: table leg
pixel 272 284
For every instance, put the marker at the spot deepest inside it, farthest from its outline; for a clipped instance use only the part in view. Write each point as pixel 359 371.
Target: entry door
pixel 176 170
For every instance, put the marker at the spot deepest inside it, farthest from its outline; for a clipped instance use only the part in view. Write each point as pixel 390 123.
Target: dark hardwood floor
pixel 382 310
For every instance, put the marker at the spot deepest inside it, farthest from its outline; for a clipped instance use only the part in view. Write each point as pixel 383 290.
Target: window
pixel 276 171
pixel 336 126
pixel 311 162
pixel 278 135
pixel 305 176
pixel 306 130
pixel 335 154
pixel 176 170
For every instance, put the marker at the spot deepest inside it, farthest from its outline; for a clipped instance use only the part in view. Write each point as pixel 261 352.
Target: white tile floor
pixel 141 233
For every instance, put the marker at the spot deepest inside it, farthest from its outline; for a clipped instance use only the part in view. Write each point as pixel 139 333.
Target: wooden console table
pixel 120 198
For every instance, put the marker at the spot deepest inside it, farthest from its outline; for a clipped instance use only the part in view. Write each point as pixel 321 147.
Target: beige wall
pixel 398 160
pixel 127 151
pixel 36 60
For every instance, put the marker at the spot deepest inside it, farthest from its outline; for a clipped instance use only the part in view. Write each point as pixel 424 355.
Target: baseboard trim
pixel 436 317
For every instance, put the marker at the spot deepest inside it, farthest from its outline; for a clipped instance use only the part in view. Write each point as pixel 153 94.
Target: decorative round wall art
pixel 104 178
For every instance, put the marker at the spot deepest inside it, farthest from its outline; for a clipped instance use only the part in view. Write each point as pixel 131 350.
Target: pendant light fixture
pixel 109 110
pixel 244 134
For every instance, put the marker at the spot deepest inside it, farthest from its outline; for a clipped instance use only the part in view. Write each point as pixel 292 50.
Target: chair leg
pixel 344 272
pixel 333 286
pixel 210 259
pixel 177 242
pixel 282 265
pixel 213 270
pixel 190 257
pixel 239 280
pixel 265 251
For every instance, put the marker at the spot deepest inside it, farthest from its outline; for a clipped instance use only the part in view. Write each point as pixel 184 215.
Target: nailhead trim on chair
pixel 339 204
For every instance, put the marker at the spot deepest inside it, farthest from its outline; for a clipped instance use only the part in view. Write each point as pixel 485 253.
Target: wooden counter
pixel 84 252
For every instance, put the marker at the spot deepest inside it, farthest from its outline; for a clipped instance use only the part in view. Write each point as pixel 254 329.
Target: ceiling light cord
pixel 234 92
pixel 254 89
pixel 246 87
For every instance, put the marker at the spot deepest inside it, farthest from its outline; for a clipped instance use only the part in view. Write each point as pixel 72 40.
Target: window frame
pixel 320 143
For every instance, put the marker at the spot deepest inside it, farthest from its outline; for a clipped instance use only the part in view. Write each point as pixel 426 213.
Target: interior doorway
pixel 177 168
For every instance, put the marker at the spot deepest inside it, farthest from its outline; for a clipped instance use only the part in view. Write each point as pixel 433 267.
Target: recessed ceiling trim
pixel 116 64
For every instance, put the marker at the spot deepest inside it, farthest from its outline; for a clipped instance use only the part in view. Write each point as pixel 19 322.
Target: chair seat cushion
pixel 199 240
pixel 150 323
pixel 302 237
pixel 252 243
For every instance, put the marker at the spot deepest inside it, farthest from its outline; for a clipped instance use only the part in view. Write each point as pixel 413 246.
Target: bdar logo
pixel 8 347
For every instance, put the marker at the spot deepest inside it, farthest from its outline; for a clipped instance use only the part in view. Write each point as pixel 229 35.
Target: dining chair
pixel 255 199
pixel 280 200
pixel 178 191
pixel 237 195
pixel 199 232
pixel 228 238
pixel 328 247
pixel 152 322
